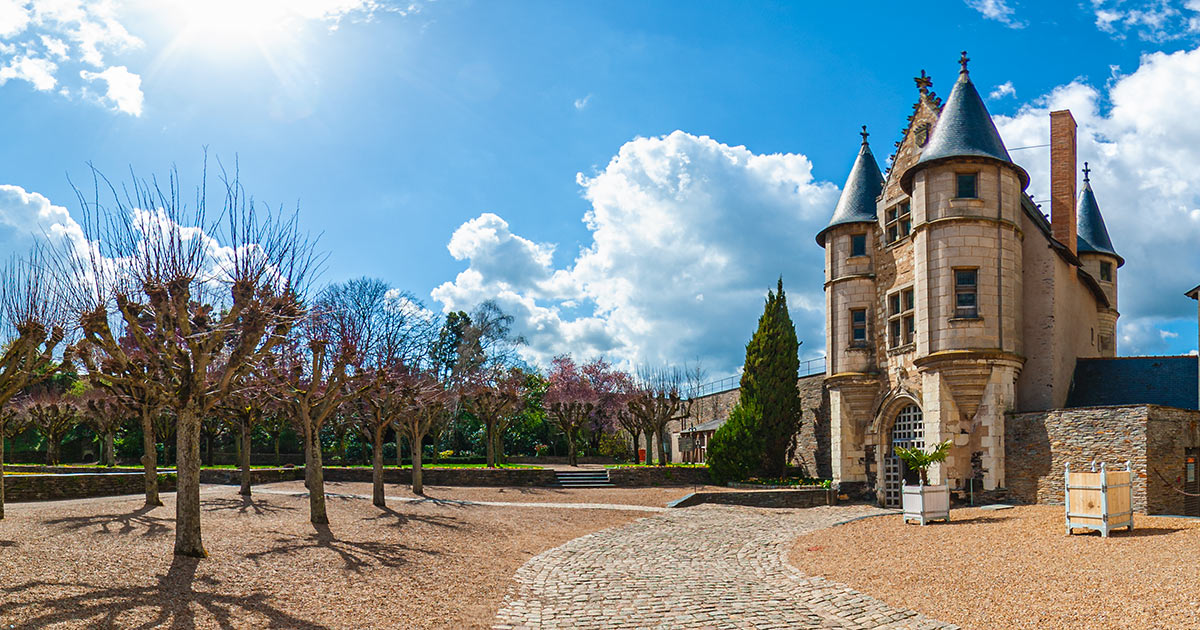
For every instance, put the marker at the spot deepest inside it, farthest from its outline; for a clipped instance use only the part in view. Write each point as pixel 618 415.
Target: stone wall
pixel 560 459
pixel 802 498
pixel 37 487
pixel 1039 444
pixel 812 448
pixel 233 476
pixel 659 476
pixel 481 477
pixel 1169 433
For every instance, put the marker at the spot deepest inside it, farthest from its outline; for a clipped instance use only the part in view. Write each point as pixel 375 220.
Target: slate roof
pixel 964 129
pixel 1166 381
pixel 1092 234
pixel 863 187
pixel 711 425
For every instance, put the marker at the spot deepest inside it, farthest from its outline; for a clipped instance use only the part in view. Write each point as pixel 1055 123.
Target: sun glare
pixel 222 25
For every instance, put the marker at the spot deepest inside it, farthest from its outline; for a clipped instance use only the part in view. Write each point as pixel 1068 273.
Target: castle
pixel 950 299
pixel 956 311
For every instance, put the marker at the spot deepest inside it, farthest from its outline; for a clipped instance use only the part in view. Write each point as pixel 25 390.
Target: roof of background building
pixel 711 425
pixel 964 129
pixel 1092 234
pixel 863 187
pixel 1166 381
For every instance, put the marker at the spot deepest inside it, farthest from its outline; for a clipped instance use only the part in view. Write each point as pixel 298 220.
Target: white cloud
pixel 1150 20
pixel 687 236
pixel 1142 140
pixel 997 10
pixel 124 88
pixel 39 72
pixel 1003 90
pixel 581 103
pixel 14 17
pixel 26 217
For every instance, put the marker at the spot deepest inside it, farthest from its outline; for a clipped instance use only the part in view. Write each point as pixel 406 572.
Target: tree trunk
pixel 417 486
pixel 662 446
pixel 110 458
pixel 571 458
pixel 150 460
pixel 51 451
pixel 377 467
pixel 399 451
pixel 244 459
pixel 499 445
pixel 278 436
pixel 187 492
pixel 1 476
pixel 314 475
pixel 490 438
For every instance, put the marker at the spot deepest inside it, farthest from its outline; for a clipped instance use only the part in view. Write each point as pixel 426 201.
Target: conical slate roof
pixel 964 129
pixel 863 187
pixel 1092 234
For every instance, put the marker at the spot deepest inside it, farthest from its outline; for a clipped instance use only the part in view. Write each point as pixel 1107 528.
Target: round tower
pixel 851 242
pixel 1099 260
pixel 966 202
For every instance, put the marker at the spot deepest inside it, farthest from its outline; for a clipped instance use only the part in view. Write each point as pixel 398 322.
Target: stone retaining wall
pixel 480 477
pixel 1151 438
pixel 801 498
pixel 642 476
pixel 557 459
pixel 48 487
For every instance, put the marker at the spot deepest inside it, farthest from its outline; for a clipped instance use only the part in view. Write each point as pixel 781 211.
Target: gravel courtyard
pixel 1017 569
pixel 107 563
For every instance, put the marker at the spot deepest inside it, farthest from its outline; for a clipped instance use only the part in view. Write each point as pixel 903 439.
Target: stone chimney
pixel 1062 178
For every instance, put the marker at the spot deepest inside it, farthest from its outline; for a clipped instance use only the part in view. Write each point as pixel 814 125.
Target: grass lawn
pixel 671 465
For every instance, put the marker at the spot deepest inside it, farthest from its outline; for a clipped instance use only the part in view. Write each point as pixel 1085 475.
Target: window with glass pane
pixel 901 322
pixel 899 222
pixel 966 186
pixel 858 326
pixel 966 293
pixel 1106 271
pixel 858 244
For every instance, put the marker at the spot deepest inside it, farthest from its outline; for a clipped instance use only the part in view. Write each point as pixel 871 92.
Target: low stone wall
pixel 38 487
pixel 797 498
pixel 642 476
pixel 233 476
pixel 1170 432
pixel 480 477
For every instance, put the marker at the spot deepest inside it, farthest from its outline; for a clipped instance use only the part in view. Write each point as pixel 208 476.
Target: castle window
pixel 858 245
pixel 966 293
pixel 1106 271
pixel 966 186
pixel 899 221
pixel 858 327
pixel 901 323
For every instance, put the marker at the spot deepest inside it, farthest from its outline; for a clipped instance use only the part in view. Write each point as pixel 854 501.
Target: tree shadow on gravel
pixel 123 523
pixel 244 505
pixel 399 519
pixel 356 556
pixel 169 603
pixel 8 543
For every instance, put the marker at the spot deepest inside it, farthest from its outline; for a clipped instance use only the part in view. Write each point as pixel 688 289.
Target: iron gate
pixel 1191 482
pixel 907 432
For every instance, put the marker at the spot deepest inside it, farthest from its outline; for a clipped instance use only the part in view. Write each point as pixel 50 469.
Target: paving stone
pixel 696 568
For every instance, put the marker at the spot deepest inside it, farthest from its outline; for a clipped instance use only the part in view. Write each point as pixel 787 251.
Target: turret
pixel 1099 260
pixel 851 241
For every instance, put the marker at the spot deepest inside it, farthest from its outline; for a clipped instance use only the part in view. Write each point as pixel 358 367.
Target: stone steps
pixel 583 479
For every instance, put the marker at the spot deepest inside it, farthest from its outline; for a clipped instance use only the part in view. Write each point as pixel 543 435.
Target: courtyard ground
pixel 107 563
pixel 1017 569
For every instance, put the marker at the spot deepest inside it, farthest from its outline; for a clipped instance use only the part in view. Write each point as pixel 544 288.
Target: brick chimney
pixel 1062 177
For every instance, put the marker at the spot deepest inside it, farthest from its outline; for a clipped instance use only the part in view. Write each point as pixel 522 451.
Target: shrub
pixel 735 451
pixel 616 447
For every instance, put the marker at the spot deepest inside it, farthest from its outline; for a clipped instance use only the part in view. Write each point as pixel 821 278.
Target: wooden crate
pixel 1101 500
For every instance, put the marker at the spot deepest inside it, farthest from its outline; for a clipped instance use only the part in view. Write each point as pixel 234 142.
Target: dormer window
pixel 858 245
pixel 899 221
pixel 1105 271
pixel 966 186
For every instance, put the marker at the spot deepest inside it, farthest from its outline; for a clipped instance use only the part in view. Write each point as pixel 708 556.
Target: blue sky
pixel 627 178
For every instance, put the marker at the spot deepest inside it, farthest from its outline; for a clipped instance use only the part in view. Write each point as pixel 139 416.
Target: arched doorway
pixel 907 431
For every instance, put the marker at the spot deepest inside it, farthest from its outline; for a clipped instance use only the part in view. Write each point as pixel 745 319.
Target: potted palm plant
pixel 924 502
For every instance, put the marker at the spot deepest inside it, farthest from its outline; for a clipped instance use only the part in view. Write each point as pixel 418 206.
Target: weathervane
pixel 923 82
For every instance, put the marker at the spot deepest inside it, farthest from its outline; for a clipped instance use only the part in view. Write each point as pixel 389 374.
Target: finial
pixel 923 82
pixel 864 134
pixel 963 61
pixel 1086 170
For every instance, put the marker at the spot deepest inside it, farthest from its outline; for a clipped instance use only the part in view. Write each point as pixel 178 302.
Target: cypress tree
pixel 769 382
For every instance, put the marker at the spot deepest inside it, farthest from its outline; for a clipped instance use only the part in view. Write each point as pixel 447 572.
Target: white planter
pixel 926 503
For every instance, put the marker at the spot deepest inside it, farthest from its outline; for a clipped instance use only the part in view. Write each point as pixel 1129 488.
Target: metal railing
pixel 807 368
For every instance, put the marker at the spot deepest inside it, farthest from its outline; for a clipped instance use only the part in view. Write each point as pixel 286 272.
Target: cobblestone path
pixel 699 567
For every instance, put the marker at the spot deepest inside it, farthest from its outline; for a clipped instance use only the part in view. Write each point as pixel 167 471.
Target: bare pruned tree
pixel 12 424
pixel 493 395
pixel 430 408
pixel 53 415
pixel 199 300
pixel 106 414
pixel 30 327
pixel 658 399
